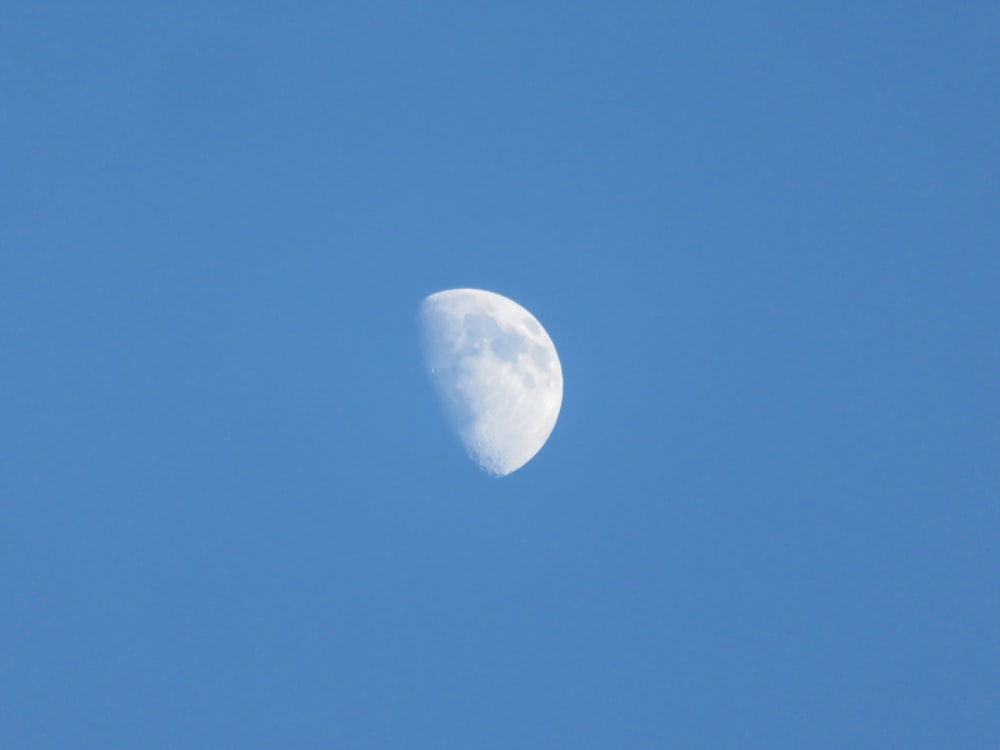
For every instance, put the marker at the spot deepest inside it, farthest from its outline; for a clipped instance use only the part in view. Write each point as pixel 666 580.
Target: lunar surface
pixel 497 374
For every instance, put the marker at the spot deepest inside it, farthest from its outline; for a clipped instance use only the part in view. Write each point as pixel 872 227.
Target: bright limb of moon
pixel 497 373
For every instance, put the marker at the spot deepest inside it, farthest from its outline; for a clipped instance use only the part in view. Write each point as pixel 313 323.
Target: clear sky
pixel 765 239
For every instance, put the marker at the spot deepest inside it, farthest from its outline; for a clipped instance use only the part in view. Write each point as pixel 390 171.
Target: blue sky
pixel 765 242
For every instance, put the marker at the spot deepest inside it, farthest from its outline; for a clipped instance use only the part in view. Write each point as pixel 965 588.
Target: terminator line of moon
pixel 496 372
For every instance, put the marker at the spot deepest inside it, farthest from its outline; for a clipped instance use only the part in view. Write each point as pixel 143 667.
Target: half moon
pixel 496 372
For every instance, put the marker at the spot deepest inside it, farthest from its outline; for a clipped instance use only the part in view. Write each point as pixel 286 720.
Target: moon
pixel 496 372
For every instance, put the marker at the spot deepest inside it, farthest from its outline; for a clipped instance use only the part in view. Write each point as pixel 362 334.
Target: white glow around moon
pixel 497 373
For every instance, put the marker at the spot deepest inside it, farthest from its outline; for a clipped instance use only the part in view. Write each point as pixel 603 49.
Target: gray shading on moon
pixel 496 372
